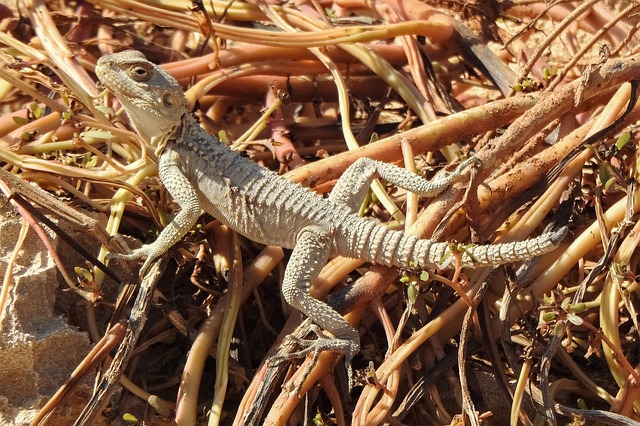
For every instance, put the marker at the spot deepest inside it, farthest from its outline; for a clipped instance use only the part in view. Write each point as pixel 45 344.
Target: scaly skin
pixel 203 174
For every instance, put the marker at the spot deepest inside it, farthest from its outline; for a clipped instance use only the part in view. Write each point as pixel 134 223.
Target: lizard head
pixel 153 99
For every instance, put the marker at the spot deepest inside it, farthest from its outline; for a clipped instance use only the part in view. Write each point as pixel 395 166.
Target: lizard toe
pixel 316 346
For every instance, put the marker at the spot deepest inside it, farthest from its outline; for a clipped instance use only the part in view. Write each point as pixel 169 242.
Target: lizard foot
pixel 144 252
pixel 324 342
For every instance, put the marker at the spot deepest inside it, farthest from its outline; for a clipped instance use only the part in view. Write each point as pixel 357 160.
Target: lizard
pixel 203 174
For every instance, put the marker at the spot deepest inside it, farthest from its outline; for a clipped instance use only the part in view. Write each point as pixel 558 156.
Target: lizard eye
pixel 168 100
pixel 139 73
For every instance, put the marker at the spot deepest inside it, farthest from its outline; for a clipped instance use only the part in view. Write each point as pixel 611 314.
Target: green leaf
pixel 622 140
pixel 549 72
pixel 222 135
pixel 574 319
pixel 84 273
pixel 36 110
pixel 90 161
pixel 578 308
pixel 558 328
pixel 20 120
pixel 603 173
pixel 608 183
pixel 548 316
pixel 412 293
pixel 129 418
pixel 582 404
pixel 330 13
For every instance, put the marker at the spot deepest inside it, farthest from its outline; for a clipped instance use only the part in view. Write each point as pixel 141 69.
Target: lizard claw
pixel 143 252
pixel 324 342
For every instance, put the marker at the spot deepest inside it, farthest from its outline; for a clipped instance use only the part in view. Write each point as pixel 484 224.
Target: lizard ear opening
pixel 168 100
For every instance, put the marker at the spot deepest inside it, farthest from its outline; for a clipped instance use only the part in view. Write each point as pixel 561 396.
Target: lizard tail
pixel 393 248
pixel 441 254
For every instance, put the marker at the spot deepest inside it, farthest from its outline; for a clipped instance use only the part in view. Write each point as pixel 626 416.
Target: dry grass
pixel 544 96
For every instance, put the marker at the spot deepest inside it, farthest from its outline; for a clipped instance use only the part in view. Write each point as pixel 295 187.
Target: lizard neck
pixel 189 134
pixel 175 134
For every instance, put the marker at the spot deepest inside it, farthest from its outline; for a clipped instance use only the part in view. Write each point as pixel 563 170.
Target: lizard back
pixel 258 203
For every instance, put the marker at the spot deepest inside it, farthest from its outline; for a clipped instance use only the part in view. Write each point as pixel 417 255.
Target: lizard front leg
pixel 354 183
pixel 185 195
pixel 307 259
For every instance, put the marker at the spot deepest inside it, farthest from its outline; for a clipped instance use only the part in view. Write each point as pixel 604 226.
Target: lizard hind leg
pixel 354 183
pixel 309 256
pixel 351 188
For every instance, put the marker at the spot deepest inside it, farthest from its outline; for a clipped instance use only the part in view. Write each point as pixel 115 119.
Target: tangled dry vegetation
pixel 543 94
